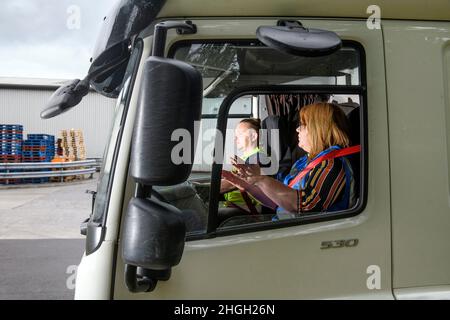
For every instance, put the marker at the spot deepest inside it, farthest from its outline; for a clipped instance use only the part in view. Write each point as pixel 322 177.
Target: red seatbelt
pixel 249 202
pixel 330 155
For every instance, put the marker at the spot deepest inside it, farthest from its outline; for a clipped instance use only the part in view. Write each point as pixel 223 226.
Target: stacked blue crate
pixel 38 148
pixel 11 138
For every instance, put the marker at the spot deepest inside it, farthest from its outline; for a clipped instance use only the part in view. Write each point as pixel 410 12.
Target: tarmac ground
pixel 40 240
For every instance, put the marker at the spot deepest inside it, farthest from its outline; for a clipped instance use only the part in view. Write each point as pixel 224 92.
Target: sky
pixel 51 39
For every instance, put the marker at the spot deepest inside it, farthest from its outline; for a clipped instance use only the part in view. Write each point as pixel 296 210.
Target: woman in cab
pixel 322 180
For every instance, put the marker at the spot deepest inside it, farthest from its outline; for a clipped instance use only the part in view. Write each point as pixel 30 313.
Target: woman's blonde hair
pixel 327 126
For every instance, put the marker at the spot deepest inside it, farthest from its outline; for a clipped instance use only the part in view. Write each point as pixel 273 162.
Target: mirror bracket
pixel 289 23
pixel 138 283
pixel 160 35
pixel 139 279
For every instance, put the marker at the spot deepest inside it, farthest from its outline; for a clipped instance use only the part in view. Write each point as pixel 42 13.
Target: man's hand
pixel 226 186
pixel 248 172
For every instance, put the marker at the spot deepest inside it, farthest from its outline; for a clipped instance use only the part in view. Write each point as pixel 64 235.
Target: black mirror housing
pixel 153 235
pixel 300 41
pixel 107 71
pixel 65 98
pixel 170 98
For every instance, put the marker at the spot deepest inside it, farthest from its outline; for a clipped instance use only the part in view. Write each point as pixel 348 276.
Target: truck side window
pixel 227 67
pixel 279 153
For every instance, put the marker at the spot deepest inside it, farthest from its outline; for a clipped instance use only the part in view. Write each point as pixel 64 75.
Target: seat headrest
pixel 355 123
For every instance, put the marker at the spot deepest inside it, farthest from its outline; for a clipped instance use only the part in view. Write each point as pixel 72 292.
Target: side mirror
pixel 293 38
pixel 107 71
pixel 153 234
pixel 65 98
pixel 170 99
pixel 152 242
pixel 110 62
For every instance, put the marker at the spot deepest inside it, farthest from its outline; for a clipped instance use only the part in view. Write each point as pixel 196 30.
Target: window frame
pixel 132 69
pixel 212 230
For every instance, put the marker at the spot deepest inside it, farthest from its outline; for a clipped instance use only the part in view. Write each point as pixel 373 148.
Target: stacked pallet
pixel 38 148
pixel 67 152
pixel 77 139
pixel 71 148
pixel 59 148
pixel 72 143
pixel 11 138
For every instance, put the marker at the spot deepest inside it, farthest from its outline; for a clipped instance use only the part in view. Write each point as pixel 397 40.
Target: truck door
pixel 345 255
pixel 418 126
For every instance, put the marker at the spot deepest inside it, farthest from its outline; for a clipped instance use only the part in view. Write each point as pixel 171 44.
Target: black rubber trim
pixel 140 42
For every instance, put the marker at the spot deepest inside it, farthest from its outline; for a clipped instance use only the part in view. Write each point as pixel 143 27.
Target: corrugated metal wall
pixel 94 116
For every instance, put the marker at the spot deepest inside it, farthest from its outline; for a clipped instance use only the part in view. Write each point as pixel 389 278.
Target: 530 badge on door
pixel 339 244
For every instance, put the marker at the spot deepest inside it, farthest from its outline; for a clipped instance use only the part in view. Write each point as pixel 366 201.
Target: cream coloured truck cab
pixel 392 80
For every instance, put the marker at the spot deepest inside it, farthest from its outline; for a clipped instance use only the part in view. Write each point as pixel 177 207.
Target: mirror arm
pixel 160 35
pixel 83 86
pixel 144 284
pixel 142 191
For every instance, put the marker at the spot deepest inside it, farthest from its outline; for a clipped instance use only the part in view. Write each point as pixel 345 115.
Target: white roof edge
pixel 38 82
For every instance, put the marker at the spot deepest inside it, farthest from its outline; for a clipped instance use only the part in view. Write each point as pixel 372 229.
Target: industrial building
pixel 22 99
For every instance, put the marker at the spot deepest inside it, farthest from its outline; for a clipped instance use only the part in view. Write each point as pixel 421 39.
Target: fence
pixel 8 171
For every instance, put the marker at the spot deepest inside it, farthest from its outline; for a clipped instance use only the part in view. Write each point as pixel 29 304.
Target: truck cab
pixel 156 230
